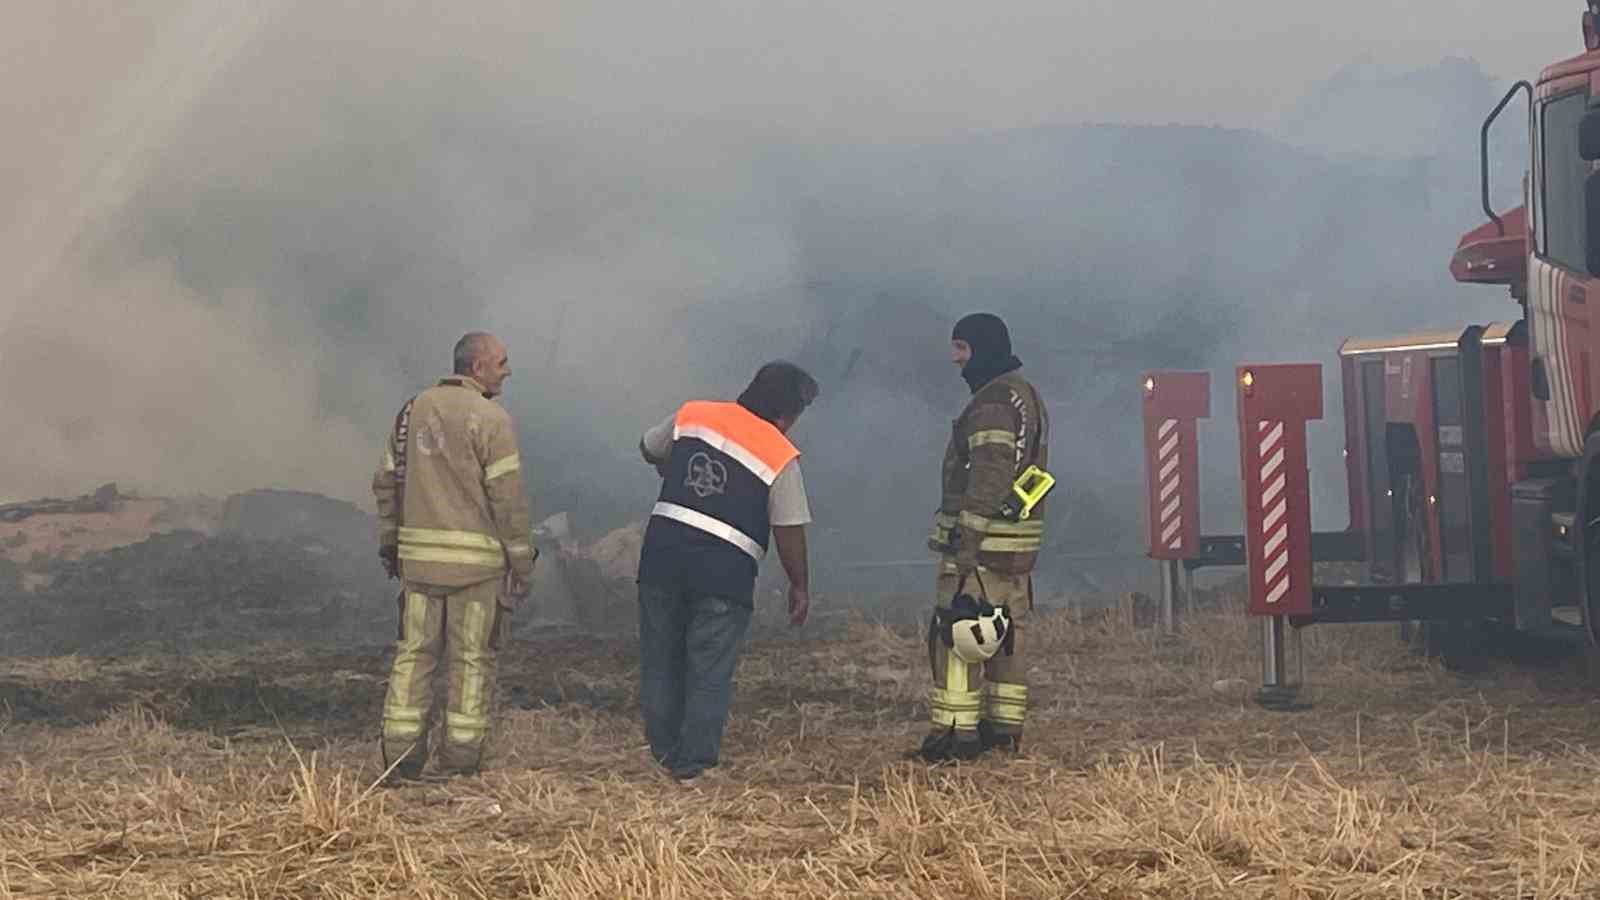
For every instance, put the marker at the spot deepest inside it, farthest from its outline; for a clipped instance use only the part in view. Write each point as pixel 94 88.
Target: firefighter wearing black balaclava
pixel 987 532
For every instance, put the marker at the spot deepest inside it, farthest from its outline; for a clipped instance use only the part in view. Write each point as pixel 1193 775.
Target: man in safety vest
pixel 729 476
pixel 453 526
pixel 987 544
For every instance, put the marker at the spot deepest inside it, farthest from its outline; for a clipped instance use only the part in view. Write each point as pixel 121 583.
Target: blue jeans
pixel 688 647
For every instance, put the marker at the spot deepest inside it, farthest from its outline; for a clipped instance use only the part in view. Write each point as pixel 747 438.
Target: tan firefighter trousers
pixel 994 692
pixel 462 625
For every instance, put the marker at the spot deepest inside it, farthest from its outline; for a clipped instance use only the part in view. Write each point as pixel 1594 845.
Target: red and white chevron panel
pixel 1274 511
pixel 1173 402
pixel 1275 404
pixel 1170 478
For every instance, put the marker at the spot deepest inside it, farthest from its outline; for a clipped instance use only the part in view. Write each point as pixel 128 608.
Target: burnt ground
pixel 301 692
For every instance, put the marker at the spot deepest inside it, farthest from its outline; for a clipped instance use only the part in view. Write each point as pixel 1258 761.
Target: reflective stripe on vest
pixel 752 441
pixel 715 527
pixel 720 474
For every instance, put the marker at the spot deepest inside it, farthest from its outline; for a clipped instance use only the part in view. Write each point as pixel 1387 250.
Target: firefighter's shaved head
pixel 480 355
pixel 472 345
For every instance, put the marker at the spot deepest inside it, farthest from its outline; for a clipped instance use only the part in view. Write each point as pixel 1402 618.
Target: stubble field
pixel 252 775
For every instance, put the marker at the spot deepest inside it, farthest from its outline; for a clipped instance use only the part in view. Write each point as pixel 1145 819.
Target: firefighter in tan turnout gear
pixel 988 532
pixel 453 526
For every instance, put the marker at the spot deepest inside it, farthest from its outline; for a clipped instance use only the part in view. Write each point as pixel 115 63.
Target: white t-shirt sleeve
pixel 786 501
pixel 658 439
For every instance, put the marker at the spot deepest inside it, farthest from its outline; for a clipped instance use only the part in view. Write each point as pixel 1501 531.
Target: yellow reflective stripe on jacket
pixel 1010 545
pixel 502 467
pixel 388 461
pixel 484 558
pixel 438 545
pixel 1004 527
pixel 992 436
pixel 440 537
pixel 998 535
pixel 974 521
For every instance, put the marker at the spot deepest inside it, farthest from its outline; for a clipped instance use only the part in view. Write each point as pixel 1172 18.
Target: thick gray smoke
pixel 292 225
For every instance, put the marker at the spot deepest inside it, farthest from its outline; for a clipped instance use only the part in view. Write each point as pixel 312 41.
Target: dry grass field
pixel 252 775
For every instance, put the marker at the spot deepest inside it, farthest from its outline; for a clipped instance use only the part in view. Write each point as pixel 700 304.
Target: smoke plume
pixel 247 231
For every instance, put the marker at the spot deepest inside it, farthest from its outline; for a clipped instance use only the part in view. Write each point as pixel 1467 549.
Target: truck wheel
pixel 1461 646
pixel 1588 512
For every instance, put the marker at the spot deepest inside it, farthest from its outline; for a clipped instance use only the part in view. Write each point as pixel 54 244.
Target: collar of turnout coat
pixel 466 381
pixel 980 372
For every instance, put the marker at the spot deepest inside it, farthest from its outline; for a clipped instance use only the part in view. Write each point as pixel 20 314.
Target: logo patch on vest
pixel 706 476
pixel 430 435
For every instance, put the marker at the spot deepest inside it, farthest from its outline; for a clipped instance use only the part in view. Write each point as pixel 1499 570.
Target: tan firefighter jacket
pixel 1003 430
pixel 449 489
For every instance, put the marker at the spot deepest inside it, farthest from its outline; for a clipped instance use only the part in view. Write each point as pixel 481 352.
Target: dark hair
pixel 780 389
pixel 468 349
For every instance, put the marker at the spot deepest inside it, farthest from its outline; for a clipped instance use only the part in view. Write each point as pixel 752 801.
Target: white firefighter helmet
pixel 978 635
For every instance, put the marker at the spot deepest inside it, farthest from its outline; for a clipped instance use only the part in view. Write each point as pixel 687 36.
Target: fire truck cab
pixel 1504 446
pixel 1472 456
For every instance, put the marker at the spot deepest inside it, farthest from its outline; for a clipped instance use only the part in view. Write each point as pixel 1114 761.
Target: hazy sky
pixel 436 139
pixel 829 69
pixel 88 90
pixel 886 68
pixel 937 65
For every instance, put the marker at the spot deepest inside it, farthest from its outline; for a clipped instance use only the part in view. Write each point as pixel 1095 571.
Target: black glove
pixel 390 555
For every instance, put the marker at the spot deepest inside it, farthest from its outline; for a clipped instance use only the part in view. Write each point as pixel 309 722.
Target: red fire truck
pixel 1473 456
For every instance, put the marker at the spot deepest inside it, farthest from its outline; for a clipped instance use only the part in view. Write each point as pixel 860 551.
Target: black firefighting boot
pixel 408 769
pixel 1009 742
pixel 948 746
